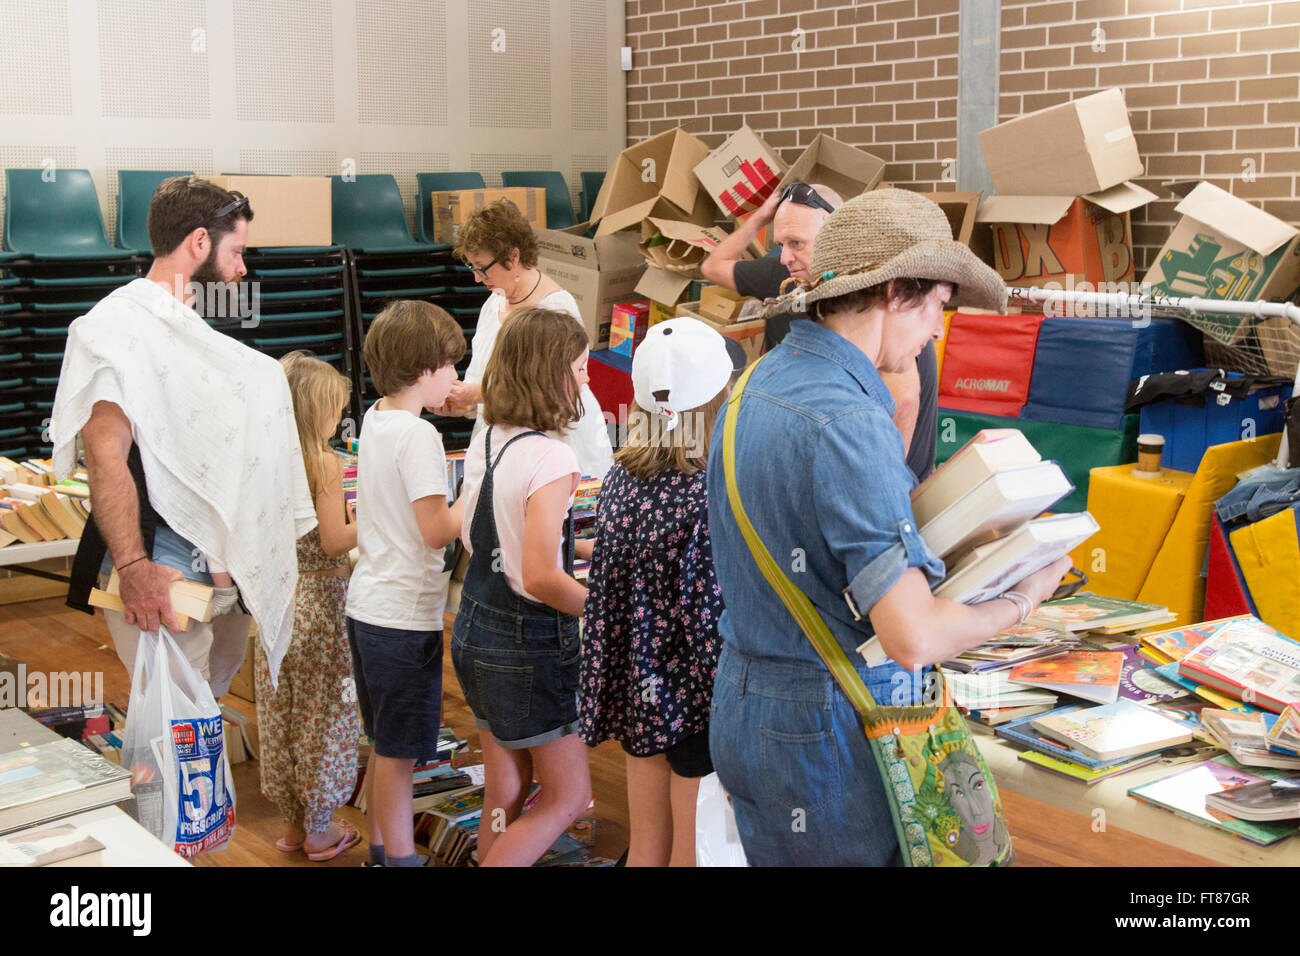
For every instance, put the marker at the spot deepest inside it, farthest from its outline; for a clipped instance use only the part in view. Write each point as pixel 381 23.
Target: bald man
pixel 796 214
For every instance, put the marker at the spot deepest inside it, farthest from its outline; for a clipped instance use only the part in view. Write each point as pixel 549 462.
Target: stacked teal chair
pixel 559 209
pixel 54 214
pixel 591 183
pixel 135 189
pixel 428 183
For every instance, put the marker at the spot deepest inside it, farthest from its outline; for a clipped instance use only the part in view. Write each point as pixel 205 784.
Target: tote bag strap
pixel 801 609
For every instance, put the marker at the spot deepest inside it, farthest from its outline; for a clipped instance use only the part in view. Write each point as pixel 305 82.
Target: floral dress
pixel 650 639
pixel 309 726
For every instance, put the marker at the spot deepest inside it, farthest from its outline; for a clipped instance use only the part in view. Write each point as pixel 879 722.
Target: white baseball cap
pixel 682 364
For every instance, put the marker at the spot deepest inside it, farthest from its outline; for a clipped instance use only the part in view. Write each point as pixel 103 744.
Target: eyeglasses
pixel 483 271
pixel 804 195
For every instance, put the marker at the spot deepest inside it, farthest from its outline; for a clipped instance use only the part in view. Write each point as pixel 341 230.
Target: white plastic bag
pixel 175 748
pixel 717 841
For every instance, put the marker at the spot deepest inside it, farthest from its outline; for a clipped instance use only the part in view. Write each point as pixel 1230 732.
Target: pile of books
pixel 431 781
pixel 979 512
pixel 450 830
pixel 34 508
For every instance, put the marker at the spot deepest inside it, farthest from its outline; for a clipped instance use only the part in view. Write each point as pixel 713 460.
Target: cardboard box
pixel 844 168
pixel 654 177
pixel 664 286
pixel 748 334
pixel 677 246
pixel 599 272
pixel 962 210
pixel 628 324
pixel 1226 248
pixel 1081 147
pixel 721 304
pixel 451 209
pixel 1037 239
pixel 741 173
pixel 287 210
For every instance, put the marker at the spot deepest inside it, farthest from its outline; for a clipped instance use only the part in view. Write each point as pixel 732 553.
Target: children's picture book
pixel 1266 800
pixel 1085 612
pixel 1185 791
pixel 1022 733
pixel 1248 660
pixel 1284 735
pixel 1139 680
pixel 1170 673
pixel 988 570
pixel 1175 643
pixel 1113 731
pixel 1092 675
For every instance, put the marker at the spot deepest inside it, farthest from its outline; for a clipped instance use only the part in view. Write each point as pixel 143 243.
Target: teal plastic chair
pixel 368 215
pixel 55 219
pixel 559 210
pixel 426 183
pixel 135 189
pixel 591 183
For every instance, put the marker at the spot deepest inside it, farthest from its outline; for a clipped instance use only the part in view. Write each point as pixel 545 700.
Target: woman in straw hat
pixel 821 472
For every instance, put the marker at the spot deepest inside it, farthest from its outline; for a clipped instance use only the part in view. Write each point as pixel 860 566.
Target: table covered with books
pixel 1189 736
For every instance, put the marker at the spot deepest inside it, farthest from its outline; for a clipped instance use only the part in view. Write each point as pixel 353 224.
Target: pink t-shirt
pixel 530 464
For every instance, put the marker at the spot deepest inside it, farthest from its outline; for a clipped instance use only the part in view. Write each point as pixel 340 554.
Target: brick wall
pixel 1213 87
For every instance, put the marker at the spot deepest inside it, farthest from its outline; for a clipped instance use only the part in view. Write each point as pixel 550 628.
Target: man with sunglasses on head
pixel 796 214
pixel 190 445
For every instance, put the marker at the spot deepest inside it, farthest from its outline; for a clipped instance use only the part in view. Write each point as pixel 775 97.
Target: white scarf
pixel 214 423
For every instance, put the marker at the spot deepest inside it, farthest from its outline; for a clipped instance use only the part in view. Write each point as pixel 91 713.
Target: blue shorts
pixel 519 673
pixel 399 688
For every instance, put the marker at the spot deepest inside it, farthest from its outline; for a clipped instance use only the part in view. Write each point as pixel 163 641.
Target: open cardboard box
pixel 1226 248
pixel 599 272
pixel 678 246
pixel 654 177
pixel 1063 199
pixel 844 168
pixel 1064 239
pixel 741 173
pixel 287 210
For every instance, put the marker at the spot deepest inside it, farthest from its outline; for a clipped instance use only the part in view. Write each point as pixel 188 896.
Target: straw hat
pixel 887 234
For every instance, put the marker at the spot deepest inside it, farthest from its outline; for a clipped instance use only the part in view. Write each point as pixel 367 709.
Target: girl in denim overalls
pixel 515 642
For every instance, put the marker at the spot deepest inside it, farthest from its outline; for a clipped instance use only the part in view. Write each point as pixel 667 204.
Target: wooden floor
pixel 49 636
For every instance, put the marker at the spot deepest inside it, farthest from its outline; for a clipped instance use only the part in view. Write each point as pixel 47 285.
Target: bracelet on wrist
pixel 123 567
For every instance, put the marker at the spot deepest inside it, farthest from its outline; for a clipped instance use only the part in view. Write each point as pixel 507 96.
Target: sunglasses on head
pixel 239 202
pixel 803 195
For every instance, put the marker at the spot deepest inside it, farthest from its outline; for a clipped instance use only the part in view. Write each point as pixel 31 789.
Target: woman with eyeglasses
pixel 497 242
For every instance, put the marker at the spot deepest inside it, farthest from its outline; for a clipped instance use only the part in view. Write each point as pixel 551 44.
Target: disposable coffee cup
pixel 1150 448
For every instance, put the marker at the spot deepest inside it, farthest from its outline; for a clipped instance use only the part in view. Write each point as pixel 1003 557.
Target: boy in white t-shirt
pixel 398 590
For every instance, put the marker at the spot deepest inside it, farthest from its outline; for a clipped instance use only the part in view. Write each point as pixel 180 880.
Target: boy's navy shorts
pixel 399 688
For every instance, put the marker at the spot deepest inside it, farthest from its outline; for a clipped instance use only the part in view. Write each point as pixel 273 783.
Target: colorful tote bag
pixel 942 797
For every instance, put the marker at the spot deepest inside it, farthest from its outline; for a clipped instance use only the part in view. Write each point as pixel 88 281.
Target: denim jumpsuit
pixel 516 659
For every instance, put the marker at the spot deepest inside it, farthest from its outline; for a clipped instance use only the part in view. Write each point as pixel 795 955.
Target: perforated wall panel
pixel 287 162
pixel 509 48
pixel 400 47
pixel 284 60
pixel 588 63
pixel 153 67
pixel 491 165
pixel 403 167
pixel 35 78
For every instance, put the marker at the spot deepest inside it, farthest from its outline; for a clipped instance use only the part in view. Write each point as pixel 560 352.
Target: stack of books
pixel 1220 793
pixel 431 781
pixel 1251 738
pixel 1089 744
pixel 979 509
pixel 31 512
pixel 1100 615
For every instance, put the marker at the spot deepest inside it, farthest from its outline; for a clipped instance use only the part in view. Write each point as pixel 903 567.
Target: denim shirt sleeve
pixel 861 493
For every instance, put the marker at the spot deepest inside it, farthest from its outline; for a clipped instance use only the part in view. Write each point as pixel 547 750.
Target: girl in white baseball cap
pixel 650 638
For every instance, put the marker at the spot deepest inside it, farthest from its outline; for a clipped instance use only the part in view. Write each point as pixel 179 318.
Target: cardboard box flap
pixel 961 210
pixel 1180 187
pixel 844 168
pixel 659 167
pixel 706 237
pixel 1044 210
pixel 1122 198
pixel 661 285
pixel 604 253
pixel 1236 218
pixel 1080 147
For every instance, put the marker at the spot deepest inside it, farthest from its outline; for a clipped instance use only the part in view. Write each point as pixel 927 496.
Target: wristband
pixel 129 563
pixel 1024 606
